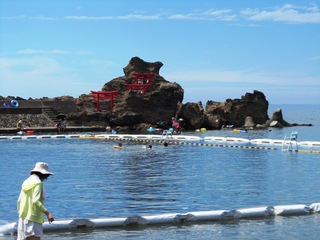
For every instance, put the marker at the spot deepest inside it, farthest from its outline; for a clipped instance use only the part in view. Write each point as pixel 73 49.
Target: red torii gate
pixel 142 82
pixel 105 95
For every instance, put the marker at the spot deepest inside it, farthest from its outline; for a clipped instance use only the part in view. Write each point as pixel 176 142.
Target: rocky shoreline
pixel 137 106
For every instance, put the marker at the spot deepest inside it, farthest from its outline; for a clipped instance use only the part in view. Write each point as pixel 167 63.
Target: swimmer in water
pixel 118 146
pixel 147 147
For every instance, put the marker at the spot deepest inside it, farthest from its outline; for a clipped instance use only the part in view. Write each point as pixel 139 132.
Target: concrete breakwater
pixel 52 129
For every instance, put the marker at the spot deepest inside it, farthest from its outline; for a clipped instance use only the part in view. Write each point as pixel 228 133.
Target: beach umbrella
pixel 61 116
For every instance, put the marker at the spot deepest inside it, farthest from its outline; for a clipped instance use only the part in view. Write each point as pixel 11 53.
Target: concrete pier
pixel 52 129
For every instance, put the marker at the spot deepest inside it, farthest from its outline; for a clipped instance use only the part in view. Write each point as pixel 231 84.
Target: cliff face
pixel 136 109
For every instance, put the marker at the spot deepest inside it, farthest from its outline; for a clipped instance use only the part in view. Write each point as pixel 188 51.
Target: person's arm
pixel 37 201
pixel 49 216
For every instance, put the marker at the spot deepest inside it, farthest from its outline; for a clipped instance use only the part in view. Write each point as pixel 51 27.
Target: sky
pixel 216 50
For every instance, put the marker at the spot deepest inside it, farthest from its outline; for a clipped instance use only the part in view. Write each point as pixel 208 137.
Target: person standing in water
pixel 30 204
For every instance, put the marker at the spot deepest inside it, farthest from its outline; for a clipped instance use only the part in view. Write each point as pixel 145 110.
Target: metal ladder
pixel 166 134
pixel 292 138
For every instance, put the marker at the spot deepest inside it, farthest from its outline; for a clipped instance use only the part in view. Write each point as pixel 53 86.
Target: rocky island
pixel 140 99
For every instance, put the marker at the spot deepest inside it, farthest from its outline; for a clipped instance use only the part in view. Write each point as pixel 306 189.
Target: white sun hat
pixel 41 167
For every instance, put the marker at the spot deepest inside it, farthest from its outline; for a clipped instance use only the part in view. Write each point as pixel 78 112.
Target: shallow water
pixel 92 180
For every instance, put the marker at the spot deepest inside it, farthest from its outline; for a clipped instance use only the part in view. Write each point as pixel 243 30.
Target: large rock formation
pixel 230 112
pixel 192 115
pixel 135 110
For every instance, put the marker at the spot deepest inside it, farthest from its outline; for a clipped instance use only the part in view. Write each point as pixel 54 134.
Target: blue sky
pixel 214 49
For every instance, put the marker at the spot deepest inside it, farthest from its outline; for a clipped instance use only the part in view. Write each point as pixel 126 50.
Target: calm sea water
pixel 92 180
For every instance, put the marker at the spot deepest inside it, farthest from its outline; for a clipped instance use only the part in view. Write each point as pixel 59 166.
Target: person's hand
pixel 49 217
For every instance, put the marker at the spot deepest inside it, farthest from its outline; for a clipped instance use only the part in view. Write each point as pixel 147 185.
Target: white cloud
pixel 89 17
pixel 184 17
pixel 211 14
pixel 25 17
pixel 124 17
pixel 53 51
pixel 287 13
pixel 139 17
pixel 221 14
pixel 41 17
pixel 36 51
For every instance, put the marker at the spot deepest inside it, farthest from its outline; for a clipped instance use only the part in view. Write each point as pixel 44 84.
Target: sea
pixel 93 180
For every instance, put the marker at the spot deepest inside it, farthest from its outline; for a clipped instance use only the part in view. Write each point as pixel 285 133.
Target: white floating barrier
pixel 160 219
pixel 25 137
pixel 72 136
pixel 57 225
pixel 288 142
pixel 127 137
pixel 58 136
pixel 8 229
pixel 228 141
pixel 174 218
pixel 260 212
pixel 262 141
pixel 186 138
pixel 237 140
pixel 15 137
pixel 45 137
pixel 109 222
pixel 156 137
pixel 315 207
pixel 205 215
pixel 104 136
pixel 309 144
pixel 84 223
pixel 285 142
pixel 305 143
pixel 215 139
pixel 141 137
pixel 291 209
pixel 279 142
pixel 30 137
pixel 146 137
pixel 315 144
